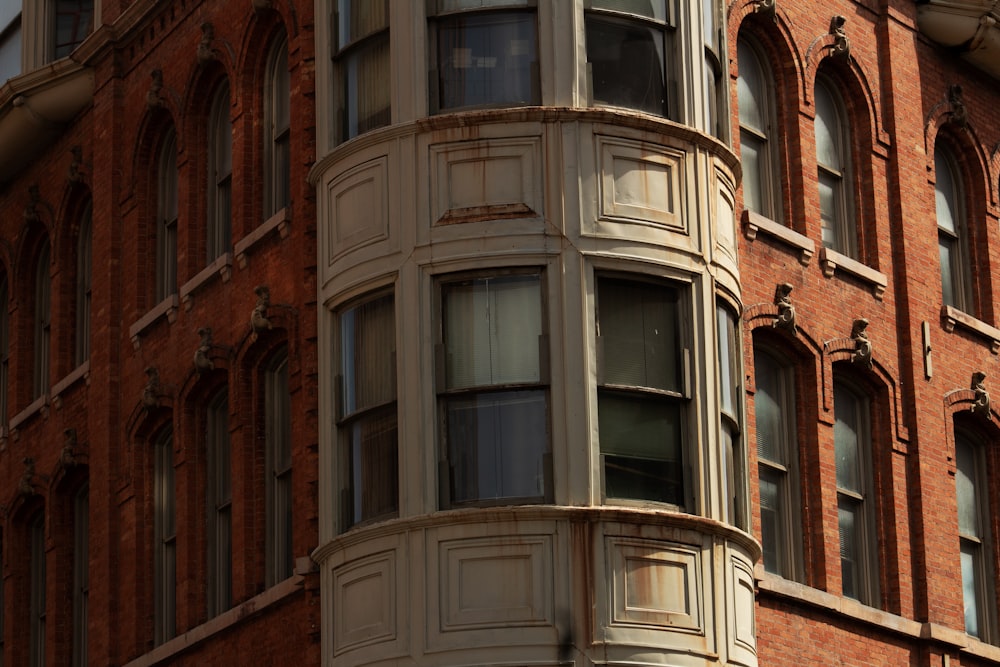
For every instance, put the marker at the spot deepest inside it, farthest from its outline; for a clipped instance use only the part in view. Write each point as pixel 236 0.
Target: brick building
pixel 468 332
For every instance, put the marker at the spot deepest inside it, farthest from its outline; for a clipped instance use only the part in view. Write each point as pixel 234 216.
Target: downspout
pixel 971 28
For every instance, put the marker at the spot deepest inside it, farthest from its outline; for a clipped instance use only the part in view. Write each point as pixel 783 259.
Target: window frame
pixel 444 13
pixel 348 53
pixel 840 223
pixel 351 413
pixel 277 127
pixel 453 396
pixel 278 560
pixel 667 27
pixel 957 239
pixel 219 222
pixel 788 553
pixel 164 538
pixel 55 10
pixel 732 451
pixel 984 585
pixel 864 498
pixel 680 395
pixel 219 504
pixel 84 284
pixel 42 330
pixel 37 581
pixel 167 206
pixel 769 163
pixel 81 572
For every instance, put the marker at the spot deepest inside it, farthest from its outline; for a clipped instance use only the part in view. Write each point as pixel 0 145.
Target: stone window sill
pixel 853 611
pixel 168 652
pixel 166 308
pixel 222 266
pixel 39 405
pixel 831 260
pixel 280 221
pixel 952 317
pixel 81 372
pixel 755 223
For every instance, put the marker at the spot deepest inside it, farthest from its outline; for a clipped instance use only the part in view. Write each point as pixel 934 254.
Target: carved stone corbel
pixel 68 454
pixel 205 51
pixel 26 486
pixel 151 392
pixel 258 318
pixel 841 47
pixel 153 98
pixel 862 345
pixel 76 172
pixel 981 402
pixel 202 361
pixel 767 8
pixel 31 210
pixel 786 311
pixel 959 115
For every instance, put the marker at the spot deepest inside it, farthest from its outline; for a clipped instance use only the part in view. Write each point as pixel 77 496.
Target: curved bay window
pixel 640 390
pixel 492 395
pixel 629 55
pixel 367 411
pixel 484 58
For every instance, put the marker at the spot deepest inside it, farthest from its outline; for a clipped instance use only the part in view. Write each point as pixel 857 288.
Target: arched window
pixel 953 231
pixel 278 472
pixel 220 178
pixel 833 160
pixel 83 286
pixel 43 321
pixel 277 159
pixel 972 491
pixel 219 520
pixel 758 150
pixel 164 538
pixel 166 218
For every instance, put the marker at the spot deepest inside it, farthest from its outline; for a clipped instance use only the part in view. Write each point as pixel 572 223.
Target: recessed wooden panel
pixel 654 584
pixel 364 609
pixel 358 208
pixel 744 630
pixel 496 583
pixel 486 180
pixel 641 182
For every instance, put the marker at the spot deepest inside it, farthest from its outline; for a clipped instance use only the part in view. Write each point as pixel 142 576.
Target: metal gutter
pixel 972 28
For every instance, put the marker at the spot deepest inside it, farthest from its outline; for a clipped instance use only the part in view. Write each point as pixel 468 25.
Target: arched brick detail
pixel 960 401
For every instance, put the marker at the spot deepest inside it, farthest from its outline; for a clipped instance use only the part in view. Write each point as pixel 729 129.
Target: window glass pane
pixel 965 488
pixel 627 64
pixel 850 548
pixel 946 249
pixel 368 344
pixel 455 5
pixel 492 327
pixel 729 362
pixel 496 445
pixel 638 330
pixel 768 410
pixel 750 87
pixel 945 191
pixel 359 18
pixel 970 586
pixel 770 519
pixel 751 156
pixel 374 464
pixel 486 59
pixel 643 426
pixel 365 73
pixel 72 23
pixel 829 209
pixel 846 439
pixel 828 129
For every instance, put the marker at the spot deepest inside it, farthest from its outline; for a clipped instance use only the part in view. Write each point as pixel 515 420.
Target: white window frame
pixel 839 228
pixel 219 505
pixel 164 538
pixel 860 501
pixel 458 458
pixel 277 124
pixel 278 470
pixel 766 174
pixel 662 23
pixel 366 409
pixel 953 238
pixel 218 232
pixel 675 397
pixel 775 384
pixel 38 32
pixel 166 217
pixel 488 14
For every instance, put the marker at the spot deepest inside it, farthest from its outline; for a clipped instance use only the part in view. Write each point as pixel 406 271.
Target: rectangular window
pixel 731 417
pixel 484 58
pixel 833 159
pixel 36 535
pixel 166 218
pixel 855 501
pixel 755 95
pixel 219 498
pixel 72 21
pixel 278 459
pixel 974 539
pixel 164 539
pixel 716 78
pixel 367 411
pixel 630 55
pixel 361 61
pixel 777 465
pixel 81 573
pixel 494 406
pixel 640 390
